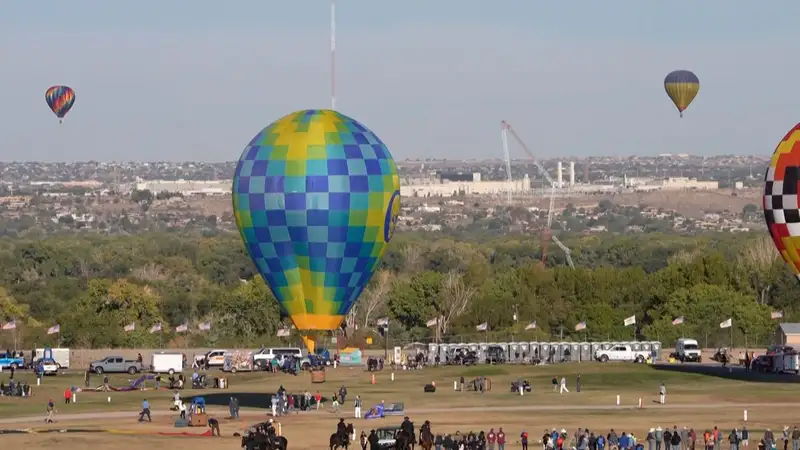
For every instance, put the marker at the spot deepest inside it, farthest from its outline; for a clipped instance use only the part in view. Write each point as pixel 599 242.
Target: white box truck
pixel 166 363
pixel 59 355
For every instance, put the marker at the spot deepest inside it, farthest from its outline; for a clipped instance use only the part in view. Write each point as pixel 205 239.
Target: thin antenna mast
pixel 333 55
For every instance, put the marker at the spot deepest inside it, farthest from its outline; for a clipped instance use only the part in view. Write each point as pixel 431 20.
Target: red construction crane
pixel 547 232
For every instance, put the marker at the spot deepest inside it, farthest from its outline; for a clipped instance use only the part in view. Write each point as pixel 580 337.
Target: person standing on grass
pixel 676 438
pixel 335 400
pixel 67 396
pixel 318 399
pixel 357 407
pixel 662 394
pixel 745 437
pixel 523 438
pixel 491 438
pixel 563 385
pixel 501 439
pixel 795 438
pixel 578 383
pixel 659 435
pixel 555 384
pixel 600 442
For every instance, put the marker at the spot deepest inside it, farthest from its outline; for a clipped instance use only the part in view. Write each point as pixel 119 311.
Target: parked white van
pixel 688 350
pixel 166 363
pixel 280 353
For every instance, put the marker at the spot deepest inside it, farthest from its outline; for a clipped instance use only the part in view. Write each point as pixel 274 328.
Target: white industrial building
pixel 448 188
pixel 185 187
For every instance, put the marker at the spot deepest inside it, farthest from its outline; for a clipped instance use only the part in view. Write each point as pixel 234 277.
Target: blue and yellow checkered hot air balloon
pixel 316 197
pixel 682 87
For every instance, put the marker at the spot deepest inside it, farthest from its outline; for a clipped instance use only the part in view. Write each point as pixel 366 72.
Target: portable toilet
pixel 482 352
pixel 655 350
pixel 606 345
pixel 586 351
pixel 514 352
pixel 647 347
pixel 444 352
pixel 544 350
pixel 524 351
pixel 575 352
pixel 636 346
pixel 433 351
pixel 533 350
pixel 596 346
pixel 566 348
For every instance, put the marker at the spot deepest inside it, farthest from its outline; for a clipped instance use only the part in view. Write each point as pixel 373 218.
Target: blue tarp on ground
pixel 389 409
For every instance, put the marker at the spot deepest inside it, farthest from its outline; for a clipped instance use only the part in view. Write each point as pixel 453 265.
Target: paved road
pixel 415 411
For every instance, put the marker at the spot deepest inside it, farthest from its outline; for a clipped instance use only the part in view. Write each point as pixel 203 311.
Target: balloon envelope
pixel 60 99
pixel 682 87
pixel 781 210
pixel 316 197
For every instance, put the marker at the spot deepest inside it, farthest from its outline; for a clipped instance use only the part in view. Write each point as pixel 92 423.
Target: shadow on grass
pixel 729 373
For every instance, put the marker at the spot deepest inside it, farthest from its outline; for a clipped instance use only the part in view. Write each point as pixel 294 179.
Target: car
pixel 688 350
pixel 115 364
pixel 9 361
pixel 49 366
pixel 386 435
pixel 622 352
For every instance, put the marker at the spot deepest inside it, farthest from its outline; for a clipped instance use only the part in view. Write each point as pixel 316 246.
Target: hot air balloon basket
pixel 318 376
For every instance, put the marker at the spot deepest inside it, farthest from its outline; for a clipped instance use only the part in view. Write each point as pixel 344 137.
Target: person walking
pixel 67 396
pixel 578 383
pixel 555 384
pixel 145 411
pixel 51 409
pixel 335 401
pixel 745 437
pixel 795 438
pixel 734 439
pixel 318 399
pixel 563 385
pixel 357 407
pixel 274 405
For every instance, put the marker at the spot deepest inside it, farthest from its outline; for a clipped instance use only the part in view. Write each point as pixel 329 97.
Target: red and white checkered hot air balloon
pixel 781 210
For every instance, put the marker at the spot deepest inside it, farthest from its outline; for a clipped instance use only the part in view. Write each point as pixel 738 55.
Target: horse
pixel 426 440
pixel 403 441
pixel 279 443
pixel 337 440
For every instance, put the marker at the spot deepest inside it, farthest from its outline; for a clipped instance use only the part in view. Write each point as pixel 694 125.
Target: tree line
pixel 92 286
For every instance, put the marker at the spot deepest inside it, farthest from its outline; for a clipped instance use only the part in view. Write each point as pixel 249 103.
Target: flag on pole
pixel 155 328
pixel 55 329
pixel 531 326
pixel 205 326
pixel 382 322
pixel 726 324
pixel 580 326
pixel 432 322
pixel 284 332
pixel 630 321
pixel 11 325
pixel 776 315
pixel 129 327
pixel 182 328
pixel 677 321
pixel 483 327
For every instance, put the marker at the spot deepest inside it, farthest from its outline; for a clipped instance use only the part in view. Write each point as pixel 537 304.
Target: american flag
pixel 55 329
pixel 129 327
pixel 677 321
pixel 776 315
pixel 382 322
pixel 531 326
pixel 155 328
pixel 182 328
pixel 283 332
pixel 205 326
pixel 11 325
pixel 580 326
pixel 483 327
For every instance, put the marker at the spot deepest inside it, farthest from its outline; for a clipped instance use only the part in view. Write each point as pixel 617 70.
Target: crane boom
pixel 507 157
pixel 547 233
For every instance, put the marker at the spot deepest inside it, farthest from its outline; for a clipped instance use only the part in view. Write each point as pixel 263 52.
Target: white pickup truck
pixel 622 352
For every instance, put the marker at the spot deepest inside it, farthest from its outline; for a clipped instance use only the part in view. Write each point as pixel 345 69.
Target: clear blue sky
pixel 195 80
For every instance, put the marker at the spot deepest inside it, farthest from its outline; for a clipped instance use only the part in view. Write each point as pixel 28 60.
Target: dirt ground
pixel 312 431
pixel 693 401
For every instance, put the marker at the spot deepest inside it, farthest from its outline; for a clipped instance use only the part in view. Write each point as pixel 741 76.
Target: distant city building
pixel 185 187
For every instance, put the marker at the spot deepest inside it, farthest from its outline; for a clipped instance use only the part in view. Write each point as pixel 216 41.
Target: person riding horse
pixel 341 429
pixel 425 430
pixel 342 436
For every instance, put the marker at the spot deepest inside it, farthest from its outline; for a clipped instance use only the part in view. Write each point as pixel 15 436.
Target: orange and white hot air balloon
pixel 781 209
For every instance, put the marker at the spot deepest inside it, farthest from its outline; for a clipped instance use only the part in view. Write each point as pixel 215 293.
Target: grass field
pixel 693 401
